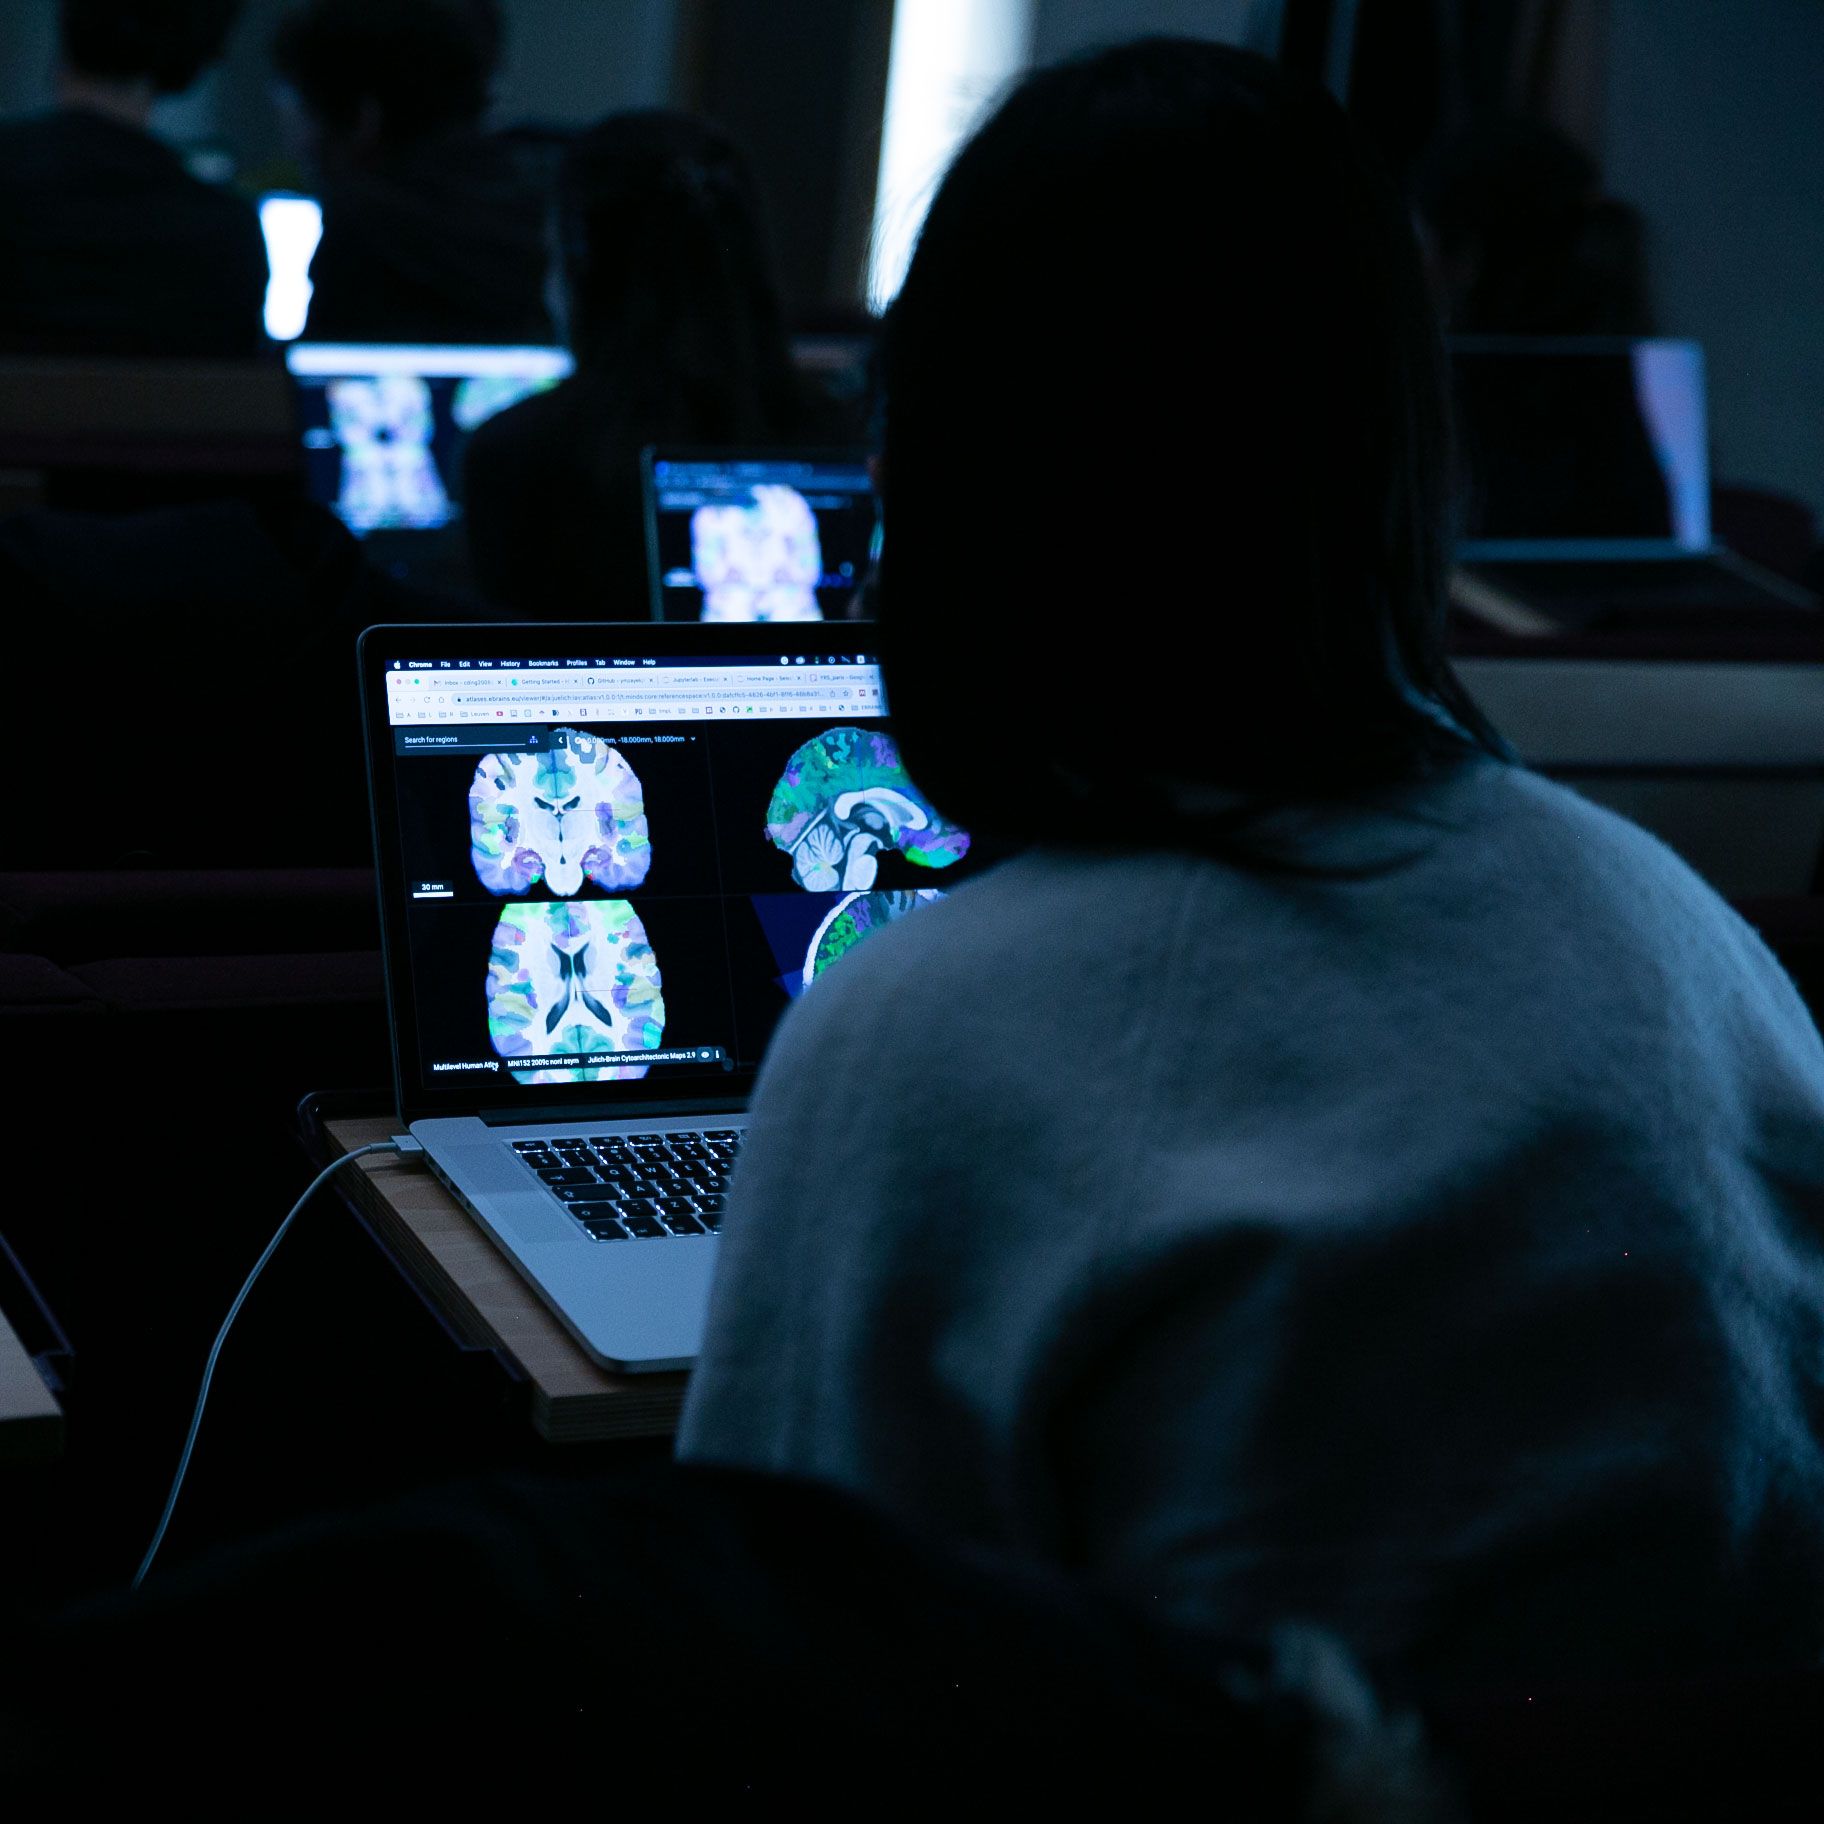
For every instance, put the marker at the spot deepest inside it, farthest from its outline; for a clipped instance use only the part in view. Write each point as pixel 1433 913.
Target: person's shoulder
pixel 1534 823
pixel 1615 895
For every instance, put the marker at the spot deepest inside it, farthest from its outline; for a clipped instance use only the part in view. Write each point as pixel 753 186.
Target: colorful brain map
pixel 576 978
pixel 843 800
pixel 758 562
pixel 384 427
pixel 573 813
pixel 568 976
pixel 855 916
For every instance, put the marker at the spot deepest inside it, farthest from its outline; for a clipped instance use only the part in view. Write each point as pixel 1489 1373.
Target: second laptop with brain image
pixel 610 857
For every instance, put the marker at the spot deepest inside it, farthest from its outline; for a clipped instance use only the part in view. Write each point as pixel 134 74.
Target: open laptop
pixel 759 535
pixel 1586 482
pixel 384 424
pixel 609 857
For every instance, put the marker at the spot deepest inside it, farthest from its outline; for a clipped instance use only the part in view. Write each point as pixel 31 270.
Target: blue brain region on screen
pixel 568 976
pixel 570 813
pixel 843 801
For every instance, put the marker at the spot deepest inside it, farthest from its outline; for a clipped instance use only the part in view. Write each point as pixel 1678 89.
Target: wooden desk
pixel 486 1303
pixel 31 1421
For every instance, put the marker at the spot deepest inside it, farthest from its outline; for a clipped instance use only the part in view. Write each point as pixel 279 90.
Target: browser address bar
pixel 555 692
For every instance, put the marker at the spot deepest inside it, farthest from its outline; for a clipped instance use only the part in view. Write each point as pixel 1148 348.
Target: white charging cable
pixel 401 1145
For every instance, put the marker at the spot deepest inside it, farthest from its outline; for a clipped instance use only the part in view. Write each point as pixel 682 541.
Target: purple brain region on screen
pixel 574 812
pixel 844 800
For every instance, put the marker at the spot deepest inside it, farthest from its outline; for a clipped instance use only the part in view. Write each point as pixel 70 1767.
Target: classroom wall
pixel 1715 130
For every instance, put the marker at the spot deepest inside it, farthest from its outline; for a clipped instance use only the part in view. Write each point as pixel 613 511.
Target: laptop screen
pixel 1582 449
pixel 617 865
pixel 759 537
pixel 384 425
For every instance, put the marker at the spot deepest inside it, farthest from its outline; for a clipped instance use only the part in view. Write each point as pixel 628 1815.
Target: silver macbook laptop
pixel 1586 480
pixel 609 857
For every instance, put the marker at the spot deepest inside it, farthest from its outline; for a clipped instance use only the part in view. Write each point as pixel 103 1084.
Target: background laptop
pixel 1586 481
pixel 609 857
pixel 745 535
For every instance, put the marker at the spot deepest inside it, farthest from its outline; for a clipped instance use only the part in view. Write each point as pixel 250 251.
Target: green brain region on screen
pixel 842 802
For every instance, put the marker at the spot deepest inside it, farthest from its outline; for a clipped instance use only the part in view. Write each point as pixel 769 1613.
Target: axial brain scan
pixel 383 427
pixel 758 562
pixel 578 979
pixel 843 800
pixel 572 813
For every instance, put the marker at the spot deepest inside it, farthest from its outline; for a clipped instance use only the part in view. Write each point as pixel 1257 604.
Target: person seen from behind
pixel 1332 1174
pixel 670 305
pixel 108 245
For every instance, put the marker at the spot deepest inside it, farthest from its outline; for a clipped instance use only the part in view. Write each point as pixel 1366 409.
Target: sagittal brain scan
pixel 854 917
pixel 384 426
pixel 576 978
pixel 758 562
pixel 571 814
pixel 842 802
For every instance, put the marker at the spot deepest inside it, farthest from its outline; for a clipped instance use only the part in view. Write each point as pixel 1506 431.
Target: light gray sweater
pixel 1435 1254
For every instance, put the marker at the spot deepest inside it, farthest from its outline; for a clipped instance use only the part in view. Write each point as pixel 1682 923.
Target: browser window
pixel 617 867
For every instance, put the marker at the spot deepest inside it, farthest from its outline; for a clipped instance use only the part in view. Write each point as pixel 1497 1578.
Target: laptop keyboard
pixel 638 1187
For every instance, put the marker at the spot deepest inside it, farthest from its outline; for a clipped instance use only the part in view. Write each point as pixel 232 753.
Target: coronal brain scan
pixel 576 978
pixel 758 562
pixel 843 800
pixel 383 427
pixel 572 813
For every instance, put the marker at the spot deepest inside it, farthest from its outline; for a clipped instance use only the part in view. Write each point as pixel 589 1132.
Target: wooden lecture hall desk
pixel 452 1262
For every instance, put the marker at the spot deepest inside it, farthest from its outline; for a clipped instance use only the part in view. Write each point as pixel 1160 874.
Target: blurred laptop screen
pixel 753 537
pixel 384 425
pixel 1579 449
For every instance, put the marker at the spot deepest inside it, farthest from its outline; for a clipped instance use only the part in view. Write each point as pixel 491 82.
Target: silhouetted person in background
pixel 1525 242
pixel 433 230
pixel 108 246
pixel 672 310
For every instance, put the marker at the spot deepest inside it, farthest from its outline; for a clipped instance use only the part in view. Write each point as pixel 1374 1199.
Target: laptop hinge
pixel 697 1105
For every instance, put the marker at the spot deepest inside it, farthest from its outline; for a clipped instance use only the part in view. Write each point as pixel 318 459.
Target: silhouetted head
pixel 375 75
pixel 163 44
pixel 667 280
pixel 1165 456
pixel 1528 243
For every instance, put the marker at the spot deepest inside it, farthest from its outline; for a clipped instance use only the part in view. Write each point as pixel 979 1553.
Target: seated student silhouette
pixel 433 229
pixel 1526 243
pixel 672 311
pixel 1334 1172
pixel 108 246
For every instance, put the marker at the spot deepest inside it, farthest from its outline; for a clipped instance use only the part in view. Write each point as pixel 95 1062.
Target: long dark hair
pixel 1166 457
pixel 673 301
